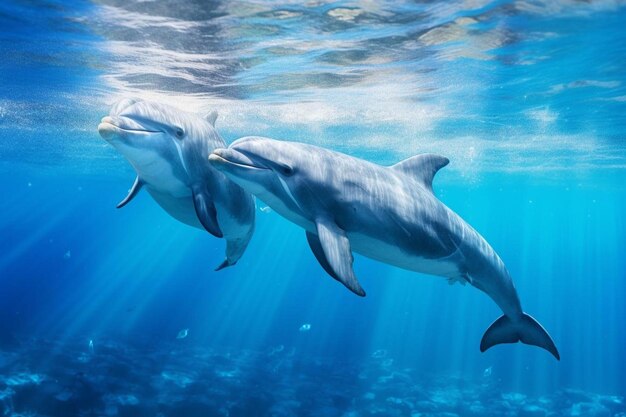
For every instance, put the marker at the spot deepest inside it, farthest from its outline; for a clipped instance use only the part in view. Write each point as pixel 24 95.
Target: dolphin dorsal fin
pixel 422 167
pixel 211 117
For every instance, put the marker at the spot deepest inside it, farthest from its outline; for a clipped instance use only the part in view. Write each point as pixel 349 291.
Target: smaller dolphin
pixel 389 214
pixel 168 149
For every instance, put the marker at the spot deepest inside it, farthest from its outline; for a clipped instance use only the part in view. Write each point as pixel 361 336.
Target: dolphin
pixel 389 214
pixel 168 149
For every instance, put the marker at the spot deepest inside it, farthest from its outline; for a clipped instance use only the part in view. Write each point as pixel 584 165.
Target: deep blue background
pixel 535 133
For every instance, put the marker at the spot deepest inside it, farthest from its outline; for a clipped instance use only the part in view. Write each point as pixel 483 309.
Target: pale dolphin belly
pixel 181 208
pixel 167 189
pixel 373 248
pixel 157 173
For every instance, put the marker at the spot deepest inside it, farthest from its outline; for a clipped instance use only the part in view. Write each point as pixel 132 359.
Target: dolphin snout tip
pixel 216 158
pixel 219 151
pixel 106 129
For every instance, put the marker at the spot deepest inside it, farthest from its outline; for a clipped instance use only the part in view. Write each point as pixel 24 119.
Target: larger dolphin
pixel 390 214
pixel 168 148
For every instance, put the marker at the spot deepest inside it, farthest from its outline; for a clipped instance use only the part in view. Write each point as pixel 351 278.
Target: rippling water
pixel 496 85
pixel 526 98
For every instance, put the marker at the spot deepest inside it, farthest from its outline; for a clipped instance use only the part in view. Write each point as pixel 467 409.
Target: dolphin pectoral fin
pixel 131 193
pixel 206 212
pixel 527 330
pixel 316 247
pixel 332 250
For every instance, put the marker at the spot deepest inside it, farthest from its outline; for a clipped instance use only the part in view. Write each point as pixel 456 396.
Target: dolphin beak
pixel 111 127
pixel 107 129
pixel 217 157
pixel 223 158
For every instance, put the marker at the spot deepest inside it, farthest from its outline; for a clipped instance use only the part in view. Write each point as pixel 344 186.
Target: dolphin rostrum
pixel 168 149
pixel 390 214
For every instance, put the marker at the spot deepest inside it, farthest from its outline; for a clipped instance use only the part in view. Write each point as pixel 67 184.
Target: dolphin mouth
pixel 110 127
pixel 109 121
pixel 222 157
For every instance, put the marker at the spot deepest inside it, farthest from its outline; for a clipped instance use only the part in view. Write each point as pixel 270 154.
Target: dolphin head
pixel 152 135
pixel 273 170
pixel 141 124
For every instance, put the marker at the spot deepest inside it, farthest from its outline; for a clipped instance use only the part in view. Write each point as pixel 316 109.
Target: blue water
pixel 526 98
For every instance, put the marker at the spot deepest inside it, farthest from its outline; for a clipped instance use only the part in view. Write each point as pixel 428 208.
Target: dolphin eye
pixel 286 170
pixel 179 132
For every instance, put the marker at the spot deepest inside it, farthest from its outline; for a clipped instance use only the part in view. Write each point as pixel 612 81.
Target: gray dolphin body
pixel 168 149
pixel 389 214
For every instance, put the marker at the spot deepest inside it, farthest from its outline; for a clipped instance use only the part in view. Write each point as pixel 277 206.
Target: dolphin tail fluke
pixel 235 247
pixel 225 264
pixel 527 330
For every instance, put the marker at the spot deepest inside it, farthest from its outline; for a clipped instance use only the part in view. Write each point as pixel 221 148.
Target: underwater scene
pixel 425 216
